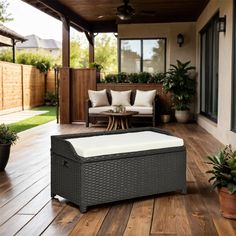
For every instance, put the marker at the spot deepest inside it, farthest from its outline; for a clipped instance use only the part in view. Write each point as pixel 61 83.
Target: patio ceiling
pixel 100 15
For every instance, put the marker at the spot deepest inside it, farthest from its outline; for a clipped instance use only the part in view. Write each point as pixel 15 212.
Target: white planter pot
pixel 182 116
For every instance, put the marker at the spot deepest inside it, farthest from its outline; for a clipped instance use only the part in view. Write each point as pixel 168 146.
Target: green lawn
pixel 36 120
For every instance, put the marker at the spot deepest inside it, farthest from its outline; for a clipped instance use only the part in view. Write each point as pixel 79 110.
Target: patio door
pixel 209 69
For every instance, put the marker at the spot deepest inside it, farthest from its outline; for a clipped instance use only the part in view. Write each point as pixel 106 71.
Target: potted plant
pixel 7 138
pixel 98 68
pixel 224 178
pixel 178 81
pixel 165 114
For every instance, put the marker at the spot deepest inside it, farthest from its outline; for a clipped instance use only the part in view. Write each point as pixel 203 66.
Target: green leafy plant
pixel 7 136
pixel 142 77
pixel 179 82
pixel 133 77
pixel 96 66
pixel 50 98
pixel 43 63
pixel 122 77
pixel 223 169
pixel 110 78
pixel 157 78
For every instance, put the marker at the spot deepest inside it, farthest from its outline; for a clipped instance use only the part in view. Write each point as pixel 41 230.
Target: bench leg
pixel 83 209
pixel 184 190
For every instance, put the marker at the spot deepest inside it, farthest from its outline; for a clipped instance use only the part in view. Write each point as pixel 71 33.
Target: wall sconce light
pixel 180 39
pixel 221 24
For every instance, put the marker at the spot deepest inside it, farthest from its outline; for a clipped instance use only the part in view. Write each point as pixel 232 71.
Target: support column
pixel 64 100
pixel 65 42
pixel 90 37
pixel 13 51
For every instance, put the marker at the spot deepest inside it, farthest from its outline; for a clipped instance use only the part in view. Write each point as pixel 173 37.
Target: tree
pixel 106 52
pixel 78 55
pixel 4 15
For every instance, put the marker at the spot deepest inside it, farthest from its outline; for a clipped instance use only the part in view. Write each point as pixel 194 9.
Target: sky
pixel 28 20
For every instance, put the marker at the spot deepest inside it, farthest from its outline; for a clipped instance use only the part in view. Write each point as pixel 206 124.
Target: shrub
pixel 6 55
pixel 122 77
pixel 50 99
pixel 42 63
pixel 142 77
pixel 7 136
pixel 133 78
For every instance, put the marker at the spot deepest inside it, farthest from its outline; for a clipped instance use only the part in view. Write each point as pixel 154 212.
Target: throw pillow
pixel 144 98
pixel 120 98
pixel 98 98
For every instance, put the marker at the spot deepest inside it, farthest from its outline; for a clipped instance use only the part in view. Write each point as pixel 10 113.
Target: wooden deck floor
pixel 26 207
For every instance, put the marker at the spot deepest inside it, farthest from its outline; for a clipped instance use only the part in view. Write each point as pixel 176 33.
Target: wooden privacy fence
pixel 22 86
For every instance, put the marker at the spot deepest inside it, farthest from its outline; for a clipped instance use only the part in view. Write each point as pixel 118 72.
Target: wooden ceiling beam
pixel 104 27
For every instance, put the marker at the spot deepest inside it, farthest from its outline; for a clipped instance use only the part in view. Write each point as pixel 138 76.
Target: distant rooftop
pixel 4 31
pixel 33 41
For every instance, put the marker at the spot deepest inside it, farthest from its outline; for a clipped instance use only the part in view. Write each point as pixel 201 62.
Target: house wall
pixel 169 31
pixel 221 130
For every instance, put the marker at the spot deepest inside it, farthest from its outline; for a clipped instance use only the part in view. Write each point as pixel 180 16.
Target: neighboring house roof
pixel 4 31
pixel 33 41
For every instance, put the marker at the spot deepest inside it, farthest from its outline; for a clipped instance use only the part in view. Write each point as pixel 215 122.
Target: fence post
pixel 22 87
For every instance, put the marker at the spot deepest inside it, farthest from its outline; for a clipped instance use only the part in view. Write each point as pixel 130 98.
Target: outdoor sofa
pixel 103 174
pixel 145 111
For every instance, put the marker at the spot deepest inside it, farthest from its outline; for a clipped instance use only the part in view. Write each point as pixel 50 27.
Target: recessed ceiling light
pixel 100 17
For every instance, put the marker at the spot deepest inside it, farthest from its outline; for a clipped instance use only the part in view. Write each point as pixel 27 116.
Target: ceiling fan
pixel 125 11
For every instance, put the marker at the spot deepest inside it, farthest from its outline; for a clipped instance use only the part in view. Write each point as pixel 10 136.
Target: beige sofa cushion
pixel 120 98
pixel 98 98
pixel 140 110
pixel 144 98
pixel 97 110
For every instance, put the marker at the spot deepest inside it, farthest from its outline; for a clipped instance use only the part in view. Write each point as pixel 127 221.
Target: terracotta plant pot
pixel 227 203
pixel 4 155
pixel 182 116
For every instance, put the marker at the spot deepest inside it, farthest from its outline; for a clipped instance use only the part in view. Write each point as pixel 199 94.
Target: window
pixel 234 74
pixel 138 55
pixel 209 69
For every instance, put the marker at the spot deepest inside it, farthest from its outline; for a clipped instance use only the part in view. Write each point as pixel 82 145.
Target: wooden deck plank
pixel 12 226
pixel 7 196
pixel 90 223
pixel 37 203
pixel 169 216
pixel 116 220
pixel 140 219
pixel 27 208
pixel 12 207
pixel 64 222
pixel 40 222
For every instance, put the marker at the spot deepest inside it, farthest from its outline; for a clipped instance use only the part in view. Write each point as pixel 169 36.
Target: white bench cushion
pixel 122 143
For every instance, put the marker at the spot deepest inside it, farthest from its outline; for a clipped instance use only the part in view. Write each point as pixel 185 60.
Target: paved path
pixel 18 116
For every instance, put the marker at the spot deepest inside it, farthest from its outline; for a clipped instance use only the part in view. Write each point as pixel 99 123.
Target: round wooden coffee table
pixel 118 120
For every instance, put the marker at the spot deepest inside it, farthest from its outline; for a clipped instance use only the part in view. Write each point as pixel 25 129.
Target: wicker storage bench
pixel 88 181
